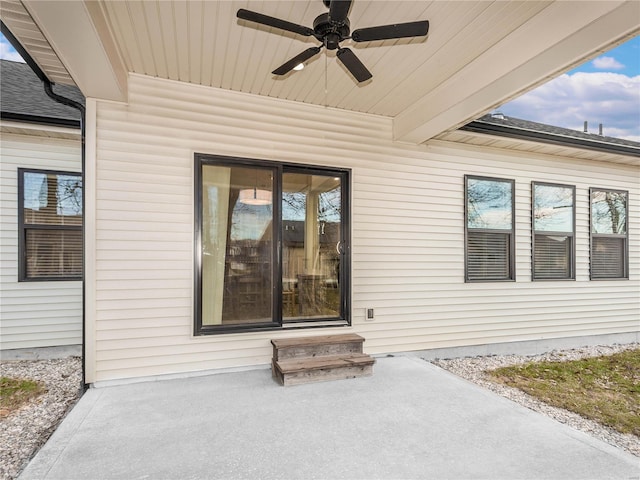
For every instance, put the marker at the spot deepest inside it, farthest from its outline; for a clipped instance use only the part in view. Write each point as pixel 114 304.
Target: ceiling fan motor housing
pixel 330 33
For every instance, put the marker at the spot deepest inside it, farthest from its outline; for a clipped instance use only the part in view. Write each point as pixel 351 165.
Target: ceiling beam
pixel 561 36
pixel 79 34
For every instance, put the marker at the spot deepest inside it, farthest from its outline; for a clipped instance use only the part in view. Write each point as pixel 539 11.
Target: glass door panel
pixel 237 245
pixel 311 246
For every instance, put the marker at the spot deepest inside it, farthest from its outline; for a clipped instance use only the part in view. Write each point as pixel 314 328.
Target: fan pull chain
pixel 326 88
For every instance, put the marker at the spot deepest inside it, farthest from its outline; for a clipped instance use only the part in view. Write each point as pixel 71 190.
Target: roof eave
pixel 549 138
pixel 40 120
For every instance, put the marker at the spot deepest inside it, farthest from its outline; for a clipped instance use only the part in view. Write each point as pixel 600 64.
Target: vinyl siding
pixel 34 314
pixel 407 232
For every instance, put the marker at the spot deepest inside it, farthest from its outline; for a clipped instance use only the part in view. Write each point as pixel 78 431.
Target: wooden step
pixel 324 345
pixel 297 371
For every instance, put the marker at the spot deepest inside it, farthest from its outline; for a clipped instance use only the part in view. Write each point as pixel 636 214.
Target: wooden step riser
pixel 323 375
pixel 306 351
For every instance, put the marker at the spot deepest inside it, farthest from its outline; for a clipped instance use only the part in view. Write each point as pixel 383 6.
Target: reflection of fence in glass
pixel 310 289
pixel 311 229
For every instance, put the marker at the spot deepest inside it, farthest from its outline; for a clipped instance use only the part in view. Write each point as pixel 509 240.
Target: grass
pixel 15 392
pixel 605 389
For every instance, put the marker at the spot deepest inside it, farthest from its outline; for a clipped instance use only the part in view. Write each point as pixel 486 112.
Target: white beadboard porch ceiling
pixel 478 54
pixel 204 43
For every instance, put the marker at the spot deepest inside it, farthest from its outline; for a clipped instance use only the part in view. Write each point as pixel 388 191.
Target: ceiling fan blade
pixel 298 59
pixel 338 10
pixel 354 65
pixel 385 32
pixel 274 22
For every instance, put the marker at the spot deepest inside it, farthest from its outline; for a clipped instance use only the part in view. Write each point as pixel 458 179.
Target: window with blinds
pixel 553 227
pixel 489 229
pixel 50 225
pixel 609 237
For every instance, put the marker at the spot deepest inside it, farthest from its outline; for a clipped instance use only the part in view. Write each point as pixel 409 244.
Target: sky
pixel 7 52
pixel 604 90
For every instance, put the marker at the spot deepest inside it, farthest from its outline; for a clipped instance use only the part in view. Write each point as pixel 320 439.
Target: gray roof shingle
pixel 22 94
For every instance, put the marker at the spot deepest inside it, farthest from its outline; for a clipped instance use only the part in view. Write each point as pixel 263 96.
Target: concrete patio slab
pixel 410 420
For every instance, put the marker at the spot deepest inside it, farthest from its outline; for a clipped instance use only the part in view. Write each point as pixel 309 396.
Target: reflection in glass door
pixel 271 245
pixel 312 245
pixel 237 245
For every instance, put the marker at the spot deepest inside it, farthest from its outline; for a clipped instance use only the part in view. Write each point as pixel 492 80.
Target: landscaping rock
pixel 473 369
pixel 25 430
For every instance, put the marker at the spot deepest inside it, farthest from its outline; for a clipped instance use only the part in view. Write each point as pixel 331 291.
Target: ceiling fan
pixel 333 27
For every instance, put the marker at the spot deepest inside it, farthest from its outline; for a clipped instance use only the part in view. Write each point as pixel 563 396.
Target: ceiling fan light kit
pixel 331 28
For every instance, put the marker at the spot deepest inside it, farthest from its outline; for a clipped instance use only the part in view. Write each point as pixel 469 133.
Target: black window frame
pixel 572 235
pixel 625 236
pixel 511 232
pixel 24 228
pixel 279 169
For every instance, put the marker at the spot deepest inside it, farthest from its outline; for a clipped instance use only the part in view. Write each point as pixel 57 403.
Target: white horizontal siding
pixel 407 228
pixel 34 314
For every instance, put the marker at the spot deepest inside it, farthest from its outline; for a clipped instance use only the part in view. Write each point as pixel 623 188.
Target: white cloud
pixel 612 99
pixel 607 63
pixel 7 52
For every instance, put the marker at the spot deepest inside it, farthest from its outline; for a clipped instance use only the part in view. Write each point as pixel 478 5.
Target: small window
pixel 553 229
pixel 489 221
pixel 609 237
pixel 50 225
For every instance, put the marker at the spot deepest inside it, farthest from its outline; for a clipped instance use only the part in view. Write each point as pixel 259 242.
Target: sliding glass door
pixel 312 244
pixel 271 245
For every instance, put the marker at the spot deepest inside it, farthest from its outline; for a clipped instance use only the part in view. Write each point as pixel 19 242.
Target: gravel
pixel 473 368
pixel 24 431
